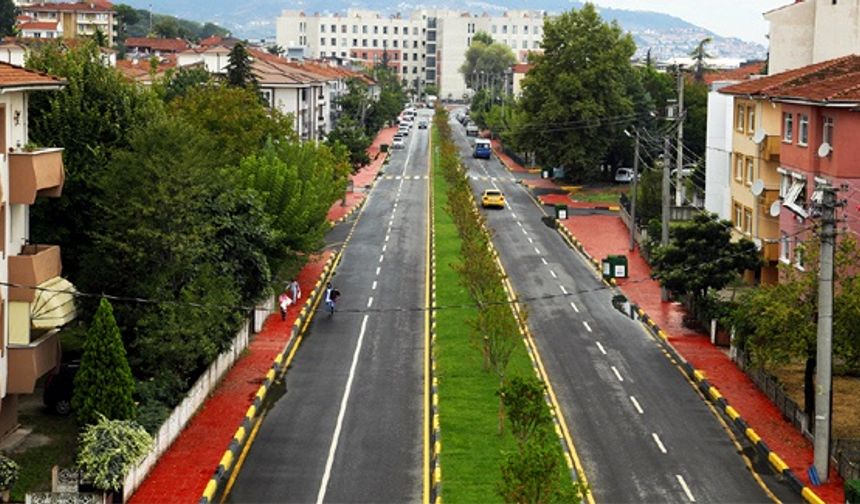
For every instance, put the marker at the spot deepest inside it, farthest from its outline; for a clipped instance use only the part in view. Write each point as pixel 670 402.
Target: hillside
pixel 665 35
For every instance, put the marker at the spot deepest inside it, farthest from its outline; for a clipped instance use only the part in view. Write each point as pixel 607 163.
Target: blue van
pixel 483 148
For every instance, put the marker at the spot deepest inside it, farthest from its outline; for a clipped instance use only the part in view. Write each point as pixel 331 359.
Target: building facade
pixel 36 300
pixel 78 19
pixel 427 47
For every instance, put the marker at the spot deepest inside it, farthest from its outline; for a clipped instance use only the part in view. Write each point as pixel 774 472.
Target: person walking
pixel 284 302
pixel 331 295
pixel 296 290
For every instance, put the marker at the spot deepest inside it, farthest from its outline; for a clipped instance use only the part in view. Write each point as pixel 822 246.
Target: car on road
pixel 422 124
pixel 624 175
pixel 472 129
pixel 492 198
pixel 398 143
pixel 483 148
pixel 464 119
pixel 403 131
pixel 59 388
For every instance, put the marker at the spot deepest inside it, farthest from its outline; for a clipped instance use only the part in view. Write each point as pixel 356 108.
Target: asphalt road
pixel 348 426
pixel 642 432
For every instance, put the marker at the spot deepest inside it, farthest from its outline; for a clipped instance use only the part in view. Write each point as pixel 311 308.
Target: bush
pixel 108 450
pixel 852 491
pixel 8 473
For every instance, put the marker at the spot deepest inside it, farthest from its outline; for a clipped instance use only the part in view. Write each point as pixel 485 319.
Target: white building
pixel 428 47
pixel 718 151
pixel 812 31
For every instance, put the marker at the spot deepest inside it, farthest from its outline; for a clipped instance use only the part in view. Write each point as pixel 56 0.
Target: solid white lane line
pixel 543 260
pixel 374 285
pixel 563 290
pixel 378 270
pixel 659 443
pixel 636 405
pixel 551 272
pixel 685 487
pixel 573 305
pixel 617 374
pixel 381 257
pixel 341 414
pixel 602 350
pixel 587 327
pixel 537 251
pixel 370 301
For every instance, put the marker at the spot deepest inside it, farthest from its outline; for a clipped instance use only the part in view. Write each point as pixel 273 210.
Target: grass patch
pixel 472 451
pixel 601 194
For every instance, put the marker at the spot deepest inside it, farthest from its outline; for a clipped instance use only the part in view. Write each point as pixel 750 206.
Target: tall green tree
pixel 699 55
pixel 392 97
pixel 180 83
pixel 486 62
pixel 8 13
pixel 240 70
pixel 576 97
pixel 104 384
pixel 350 134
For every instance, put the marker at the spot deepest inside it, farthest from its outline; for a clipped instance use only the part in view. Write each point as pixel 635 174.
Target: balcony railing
pixel 37 173
pixel 33 266
pixel 28 363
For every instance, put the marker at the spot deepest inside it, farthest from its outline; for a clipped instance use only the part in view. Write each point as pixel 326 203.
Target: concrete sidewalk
pixel 602 235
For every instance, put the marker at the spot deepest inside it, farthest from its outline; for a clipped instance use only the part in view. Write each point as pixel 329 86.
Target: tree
pixel 104 384
pixel 700 54
pixel 696 121
pixel 109 449
pixel 483 37
pixel 240 71
pixel 350 134
pixel 356 102
pixel 275 49
pixel 526 406
pixel 576 97
pixel 431 90
pixel 486 63
pixel 100 38
pixel 701 257
pixel 533 474
pixel 387 107
pixel 8 14
pixel 180 83
pixel 166 27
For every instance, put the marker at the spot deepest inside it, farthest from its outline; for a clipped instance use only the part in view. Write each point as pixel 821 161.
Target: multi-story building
pixel 35 298
pixel 139 47
pixel 78 19
pixel 810 31
pixel 428 47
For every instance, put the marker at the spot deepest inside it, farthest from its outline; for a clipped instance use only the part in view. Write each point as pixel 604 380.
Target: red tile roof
pixel 158 44
pixel 743 72
pixel 140 70
pixel 38 26
pixel 15 76
pixel 521 68
pixel 836 80
pixel 91 6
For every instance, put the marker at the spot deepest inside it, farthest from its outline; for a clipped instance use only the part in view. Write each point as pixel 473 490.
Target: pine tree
pixel 104 384
pixel 240 73
pixel 8 11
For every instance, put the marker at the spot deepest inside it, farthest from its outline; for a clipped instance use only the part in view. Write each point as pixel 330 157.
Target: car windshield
pixel 492 193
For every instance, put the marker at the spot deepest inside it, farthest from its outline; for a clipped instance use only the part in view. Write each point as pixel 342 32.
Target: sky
pixel 729 18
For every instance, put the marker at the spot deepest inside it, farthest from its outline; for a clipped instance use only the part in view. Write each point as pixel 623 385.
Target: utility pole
pixel 824 355
pixel 679 164
pixel 633 196
pixel 664 237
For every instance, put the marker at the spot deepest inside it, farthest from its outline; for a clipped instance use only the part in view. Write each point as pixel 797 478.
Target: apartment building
pixel 811 31
pixel 427 47
pixel 72 19
pixel 36 300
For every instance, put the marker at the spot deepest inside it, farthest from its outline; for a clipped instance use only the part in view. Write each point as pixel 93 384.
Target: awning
pixel 791 196
pixel 54 304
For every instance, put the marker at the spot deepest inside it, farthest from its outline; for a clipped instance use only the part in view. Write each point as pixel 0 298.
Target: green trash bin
pixel 561 211
pixel 606 268
pixel 619 265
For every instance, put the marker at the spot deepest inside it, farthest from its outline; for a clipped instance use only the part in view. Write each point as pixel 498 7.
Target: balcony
pixel 37 173
pixel 28 363
pixel 770 252
pixel 33 266
pixel 771 148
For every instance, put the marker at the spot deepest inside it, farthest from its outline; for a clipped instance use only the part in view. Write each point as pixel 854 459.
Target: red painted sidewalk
pixel 184 470
pixel 602 235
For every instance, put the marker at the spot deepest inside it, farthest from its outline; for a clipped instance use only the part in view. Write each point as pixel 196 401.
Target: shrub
pixel 852 491
pixel 109 448
pixel 8 473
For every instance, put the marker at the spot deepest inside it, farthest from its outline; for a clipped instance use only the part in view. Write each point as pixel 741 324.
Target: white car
pixel 624 175
pixel 398 143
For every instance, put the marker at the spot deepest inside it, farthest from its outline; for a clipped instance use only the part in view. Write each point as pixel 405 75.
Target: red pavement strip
pixel 737 388
pixel 181 474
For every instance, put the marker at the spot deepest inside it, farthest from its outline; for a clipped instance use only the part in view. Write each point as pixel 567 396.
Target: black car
pixel 59 387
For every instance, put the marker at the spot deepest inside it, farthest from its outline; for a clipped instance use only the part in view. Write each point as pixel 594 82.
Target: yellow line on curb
pixel 427 391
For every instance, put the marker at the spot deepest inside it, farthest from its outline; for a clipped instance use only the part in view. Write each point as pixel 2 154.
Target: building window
pixel 784 248
pixel 525 44
pixel 799 252
pixel 414 30
pixel 376 30
pixel 739 168
pixel 526 29
pixel 385 30
pixel 354 42
pixel 322 41
pixel 396 30
pixel 334 41
pixel 803 130
pixel 739 217
pixel 787 127
pixel 739 118
pixel 395 43
pixel 343 42
pixel 354 28
pixel 514 29
pixel 322 28
pixel 827 133
pixel 415 44
pixel 364 29
pixel 750 167
pixel 751 119
pixel 363 42
pixel 535 45
pixel 494 29
pixel 414 56
pixel 505 29
pixel 375 43
pixel 334 28
pixel 748 221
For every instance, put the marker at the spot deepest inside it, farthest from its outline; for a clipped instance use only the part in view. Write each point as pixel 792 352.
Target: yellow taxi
pixel 493 198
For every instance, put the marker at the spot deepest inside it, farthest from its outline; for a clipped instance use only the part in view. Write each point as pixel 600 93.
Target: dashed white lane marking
pixel 587 327
pixel 617 374
pixel 513 215
pixel 525 232
pixel 537 251
pixel 685 487
pixel 384 247
pixel 543 260
pixel 602 350
pixel 659 443
pixel 370 301
pixel 378 270
pixel 551 272
pixel 563 290
pixel 381 257
pixel 340 416
pixel 573 305
pixel 374 285
pixel 531 240
pixel 636 405
pixel 387 237
pixel 520 224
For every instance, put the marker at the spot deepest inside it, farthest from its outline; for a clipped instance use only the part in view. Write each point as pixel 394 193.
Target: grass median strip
pixel 472 451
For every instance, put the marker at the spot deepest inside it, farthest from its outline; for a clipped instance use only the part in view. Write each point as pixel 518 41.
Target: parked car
pixel 422 124
pixel 464 119
pixel 493 198
pixel 624 175
pixel 403 131
pixel 472 129
pixel 398 143
pixel 59 388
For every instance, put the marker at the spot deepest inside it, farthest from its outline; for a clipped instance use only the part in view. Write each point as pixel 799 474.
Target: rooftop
pixel 158 44
pixel 91 6
pixel 13 76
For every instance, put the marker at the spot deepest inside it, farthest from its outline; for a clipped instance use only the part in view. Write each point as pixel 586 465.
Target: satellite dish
pixel 758 243
pixel 759 137
pixel 757 187
pixel 824 150
pixel 775 208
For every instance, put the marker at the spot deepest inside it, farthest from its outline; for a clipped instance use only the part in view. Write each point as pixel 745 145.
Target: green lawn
pixel 472 449
pixel 601 194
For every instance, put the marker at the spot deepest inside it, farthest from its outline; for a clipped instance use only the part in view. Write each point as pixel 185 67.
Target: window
pixel 414 56
pixel 343 42
pixel 354 28
pixel 535 45
pixel 504 28
pixel 514 29
pixel 739 217
pixel 385 30
pixel 494 28
pixel 526 29
pixel 739 118
pixel 333 41
pixel 827 133
pixel 322 41
pixel 748 221
pixel 395 43
pixel 375 43
pixel 739 168
pixel 396 30
pixel 414 30
pixel 363 42
pixel 803 130
pixel 537 30
pixel 750 167
pixel 376 30
pixel 525 44
pixel 354 42
pixel 751 119
pixel 343 28
pixel 322 28
pixel 415 44
pixel 799 252
pixel 787 127
pixel 784 248
pixel 364 29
